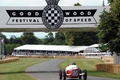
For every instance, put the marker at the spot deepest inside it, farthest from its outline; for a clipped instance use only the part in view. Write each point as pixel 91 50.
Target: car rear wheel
pixel 60 74
pixel 85 74
pixel 80 71
pixel 64 75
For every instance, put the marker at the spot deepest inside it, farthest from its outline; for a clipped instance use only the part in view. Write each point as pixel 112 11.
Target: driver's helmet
pixel 73 63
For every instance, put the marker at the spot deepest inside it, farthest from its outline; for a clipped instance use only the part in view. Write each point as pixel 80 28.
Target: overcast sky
pixel 43 3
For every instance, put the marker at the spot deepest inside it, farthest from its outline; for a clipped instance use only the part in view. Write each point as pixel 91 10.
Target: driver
pixel 73 63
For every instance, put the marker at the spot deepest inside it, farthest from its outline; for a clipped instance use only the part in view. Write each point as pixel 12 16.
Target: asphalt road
pixel 49 71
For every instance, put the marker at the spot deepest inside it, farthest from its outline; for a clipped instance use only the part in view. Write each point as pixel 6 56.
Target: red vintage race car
pixel 71 72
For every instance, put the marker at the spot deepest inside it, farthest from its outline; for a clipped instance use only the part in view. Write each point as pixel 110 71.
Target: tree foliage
pixel 77 4
pixel 81 38
pixel 110 1
pixel 9 48
pixel 59 38
pixel 12 39
pixel 29 38
pixel 49 39
pixel 109 27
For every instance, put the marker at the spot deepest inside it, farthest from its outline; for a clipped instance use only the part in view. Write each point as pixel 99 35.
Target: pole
pixel 0 49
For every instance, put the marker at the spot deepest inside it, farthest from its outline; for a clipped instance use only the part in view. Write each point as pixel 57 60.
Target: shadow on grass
pixel 19 72
pixel 98 72
pixel 74 79
pixel 103 74
pixel 90 73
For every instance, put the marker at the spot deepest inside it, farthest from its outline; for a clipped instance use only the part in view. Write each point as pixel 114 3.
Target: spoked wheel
pixel 60 74
pixel 85 74
pixel 80 71
pixel 64 75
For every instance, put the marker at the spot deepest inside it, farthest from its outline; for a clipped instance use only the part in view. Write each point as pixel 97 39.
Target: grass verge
pixel 16 70
pixel 89 64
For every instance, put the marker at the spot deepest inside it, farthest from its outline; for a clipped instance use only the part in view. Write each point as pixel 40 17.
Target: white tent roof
pixel 52 48
pixel 95 45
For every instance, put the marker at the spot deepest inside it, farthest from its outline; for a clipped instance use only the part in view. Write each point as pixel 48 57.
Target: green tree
pixel 59 38
pixel 80 38
pixel 49 39
pixel 40 41
pixel 10 48
pixel 77 4
pixel 19 40
pixel 103 48
pixel 109 29
pixel 70 36
pixel 12 39
pixel 110 1
pixel 29 38
pixel 86 38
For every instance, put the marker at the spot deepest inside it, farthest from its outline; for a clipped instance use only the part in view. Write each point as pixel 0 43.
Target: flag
pixel 103 3
pixel 1 46
pixel 2 40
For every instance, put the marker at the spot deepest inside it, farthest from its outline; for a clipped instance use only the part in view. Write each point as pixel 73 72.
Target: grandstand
pixel 55 50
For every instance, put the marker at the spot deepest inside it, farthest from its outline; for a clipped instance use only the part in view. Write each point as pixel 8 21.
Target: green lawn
pixel 89 64
pixel 16 70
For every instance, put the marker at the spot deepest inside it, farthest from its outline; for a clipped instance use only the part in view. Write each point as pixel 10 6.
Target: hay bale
pixel 7 60
pixel 112 68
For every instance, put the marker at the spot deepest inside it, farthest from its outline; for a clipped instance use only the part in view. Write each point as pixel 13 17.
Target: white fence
pixel 94 55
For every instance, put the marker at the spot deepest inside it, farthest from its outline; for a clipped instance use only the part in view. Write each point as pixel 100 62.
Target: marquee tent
pixel 52 48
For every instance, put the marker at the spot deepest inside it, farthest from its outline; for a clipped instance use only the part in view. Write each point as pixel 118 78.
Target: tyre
pixel 85 74
pixel 64 75
pixel 80 71
pixel 60 74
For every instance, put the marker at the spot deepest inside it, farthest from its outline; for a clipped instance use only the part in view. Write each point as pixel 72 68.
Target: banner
pixel 50 17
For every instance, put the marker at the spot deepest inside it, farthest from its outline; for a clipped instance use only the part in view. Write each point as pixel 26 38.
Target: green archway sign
pixel 50 17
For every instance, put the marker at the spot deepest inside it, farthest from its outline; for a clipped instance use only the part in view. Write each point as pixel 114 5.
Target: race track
pixel 49 71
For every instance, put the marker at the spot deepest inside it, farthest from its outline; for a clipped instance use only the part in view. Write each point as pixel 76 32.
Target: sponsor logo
pixel 52 16
pixel 24 17
pixel 79 16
